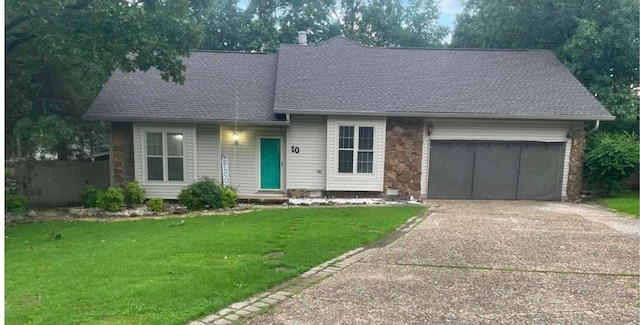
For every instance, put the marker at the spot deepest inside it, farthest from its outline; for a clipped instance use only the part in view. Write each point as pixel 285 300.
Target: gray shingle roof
pixel 216 84
pixel 343 77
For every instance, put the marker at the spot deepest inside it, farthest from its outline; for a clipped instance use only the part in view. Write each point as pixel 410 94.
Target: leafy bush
pixel 133 193
pixel 155 204
pixel 610 158
pixel 111 200
pixel 229 197
pixel 204 194
pixel 15 203
pixel 90 196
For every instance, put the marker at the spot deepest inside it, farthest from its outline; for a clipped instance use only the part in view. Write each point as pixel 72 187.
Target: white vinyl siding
pixel 244 156
pixel 540 131
pixel 164 189
pixel 208 151
pixel 354 181
pixel 307 168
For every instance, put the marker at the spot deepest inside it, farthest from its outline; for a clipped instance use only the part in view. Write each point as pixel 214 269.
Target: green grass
pixel 627 203
pixel 169 272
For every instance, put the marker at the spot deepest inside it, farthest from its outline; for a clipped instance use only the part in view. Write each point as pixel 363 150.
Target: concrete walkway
pixel 486 262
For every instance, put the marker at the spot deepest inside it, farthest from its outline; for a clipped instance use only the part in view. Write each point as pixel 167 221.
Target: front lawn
pixel 173 270
pixel 627 203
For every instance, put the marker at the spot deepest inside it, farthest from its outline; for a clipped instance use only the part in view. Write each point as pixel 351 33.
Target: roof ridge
pixel 227 51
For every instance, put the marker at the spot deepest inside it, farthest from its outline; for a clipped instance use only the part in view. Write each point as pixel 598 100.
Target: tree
pixel 597 40
pixel 264 25
pixel 59 54
pixel 391 23
pixel 611 158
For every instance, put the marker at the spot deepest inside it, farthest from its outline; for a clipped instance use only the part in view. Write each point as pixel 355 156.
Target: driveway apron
pixel 487 262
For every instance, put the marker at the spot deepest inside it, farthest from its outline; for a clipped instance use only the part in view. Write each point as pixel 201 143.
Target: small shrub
pixel 610 158
pixel 155 204
pixel 111 200
pixel 228 196
pixel 90 196
pixel 133 193
pixel 15 203
pixel 204 194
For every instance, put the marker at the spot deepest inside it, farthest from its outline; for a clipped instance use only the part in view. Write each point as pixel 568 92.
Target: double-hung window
pixel 165 156
pixel 355 149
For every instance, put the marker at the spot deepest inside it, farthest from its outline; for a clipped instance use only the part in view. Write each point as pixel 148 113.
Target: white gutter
pixel 594 128
pixel 455 115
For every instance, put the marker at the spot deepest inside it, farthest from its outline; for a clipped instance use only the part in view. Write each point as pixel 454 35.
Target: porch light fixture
pixel 429 128
pixel 236 136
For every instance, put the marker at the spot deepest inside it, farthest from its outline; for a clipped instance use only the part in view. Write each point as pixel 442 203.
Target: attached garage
pixel 496 170
pixel 496 160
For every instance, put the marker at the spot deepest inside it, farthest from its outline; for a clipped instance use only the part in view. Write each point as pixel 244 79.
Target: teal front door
pixel 269 164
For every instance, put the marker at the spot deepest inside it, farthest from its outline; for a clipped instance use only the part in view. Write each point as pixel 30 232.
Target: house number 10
pixel 295 149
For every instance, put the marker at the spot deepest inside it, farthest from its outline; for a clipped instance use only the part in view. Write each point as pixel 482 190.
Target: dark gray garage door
pixel 495 170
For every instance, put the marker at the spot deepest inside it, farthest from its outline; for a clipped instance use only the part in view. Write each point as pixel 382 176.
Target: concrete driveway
pixel 487 262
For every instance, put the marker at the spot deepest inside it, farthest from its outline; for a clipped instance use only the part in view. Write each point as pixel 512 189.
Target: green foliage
pixel 263 25
pixel 610 158
pixel 90 196
pixel 201 195
pixel 596 40
pixel 133 193
pixel 58 55
pixel 15 203
pixel 228 196
pixel 111 200
pixel 155 204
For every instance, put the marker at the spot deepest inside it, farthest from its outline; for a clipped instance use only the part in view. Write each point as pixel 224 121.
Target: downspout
pixel 594 128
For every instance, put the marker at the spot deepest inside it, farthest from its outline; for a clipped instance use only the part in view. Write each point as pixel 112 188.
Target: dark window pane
pixel 345 161
pixel 345 139
pixel 176 169
pixel 174 144
pixel 154 169
pixel 365 138
pixel 154 144
pixel 365 162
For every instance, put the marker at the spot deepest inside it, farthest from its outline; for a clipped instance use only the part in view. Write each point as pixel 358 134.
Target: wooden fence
pixel 61 183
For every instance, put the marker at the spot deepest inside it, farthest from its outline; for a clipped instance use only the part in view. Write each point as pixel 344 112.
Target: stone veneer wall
pixel 576 163
pixel 122 153
pixel 403 156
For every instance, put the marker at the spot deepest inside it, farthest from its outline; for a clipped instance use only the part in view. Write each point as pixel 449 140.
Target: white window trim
pixel 165 156
pixel 356 135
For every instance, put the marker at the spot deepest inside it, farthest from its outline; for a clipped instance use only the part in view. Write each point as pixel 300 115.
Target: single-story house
pixel 341 119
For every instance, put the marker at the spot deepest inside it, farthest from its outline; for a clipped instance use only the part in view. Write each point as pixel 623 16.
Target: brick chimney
pixel 302 38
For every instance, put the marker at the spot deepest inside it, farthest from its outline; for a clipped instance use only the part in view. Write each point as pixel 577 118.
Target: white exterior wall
pixel 540 131
pixel 244 158
pixel 355 182
pixel 307 168
pixel 208 152
pixel 165 190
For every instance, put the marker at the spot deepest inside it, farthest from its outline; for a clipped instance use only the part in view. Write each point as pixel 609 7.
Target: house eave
pixel 457 115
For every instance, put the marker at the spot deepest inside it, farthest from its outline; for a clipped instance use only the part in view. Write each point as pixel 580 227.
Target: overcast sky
pixel 448 11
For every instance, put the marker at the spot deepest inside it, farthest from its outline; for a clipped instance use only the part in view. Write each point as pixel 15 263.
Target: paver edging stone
pixel 265 300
